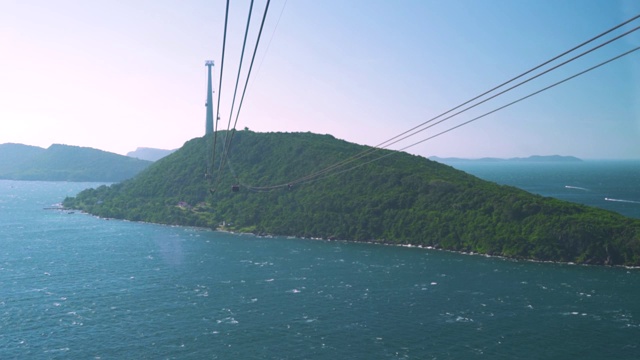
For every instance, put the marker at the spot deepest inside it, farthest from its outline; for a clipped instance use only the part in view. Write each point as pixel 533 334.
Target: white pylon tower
pixel 209 123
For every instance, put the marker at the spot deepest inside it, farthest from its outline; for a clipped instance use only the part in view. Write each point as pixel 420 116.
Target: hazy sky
pixel 120 74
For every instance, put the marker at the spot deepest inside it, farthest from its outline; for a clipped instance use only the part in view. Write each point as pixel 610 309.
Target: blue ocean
pixel 608 184
pixel 73 286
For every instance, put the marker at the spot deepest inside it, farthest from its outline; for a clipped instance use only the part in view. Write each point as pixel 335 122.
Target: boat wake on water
pixel 624 201
pixel 576 188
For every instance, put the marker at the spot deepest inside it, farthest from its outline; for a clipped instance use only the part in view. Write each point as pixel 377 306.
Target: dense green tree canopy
pixel 398 199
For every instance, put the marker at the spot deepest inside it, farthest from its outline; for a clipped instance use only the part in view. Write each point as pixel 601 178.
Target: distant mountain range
pixel 66 163
pixel 534 158
pixel 149 154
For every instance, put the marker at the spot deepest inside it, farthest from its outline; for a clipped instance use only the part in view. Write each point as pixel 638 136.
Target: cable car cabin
pixel 235 188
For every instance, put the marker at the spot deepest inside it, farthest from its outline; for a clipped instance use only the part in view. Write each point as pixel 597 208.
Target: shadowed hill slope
pixel 66 163
pixel 400 199
pixel 15 156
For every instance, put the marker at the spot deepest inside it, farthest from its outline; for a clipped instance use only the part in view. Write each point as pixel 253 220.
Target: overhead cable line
pixel 215 123
pixel 225 154
pixel 513 87
pixel 225 144
pixel 483 115
pixel 253 58
pixel 235 91
pixel 389 141
pixel 272 34
pixel 523 74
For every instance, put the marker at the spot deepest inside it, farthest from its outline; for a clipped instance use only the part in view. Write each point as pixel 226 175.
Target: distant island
pixel 66 163
pixel 317 186
pixel 149 154
pixel 530 159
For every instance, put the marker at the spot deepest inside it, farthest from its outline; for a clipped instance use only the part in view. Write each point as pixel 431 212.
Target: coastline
pixel 382 243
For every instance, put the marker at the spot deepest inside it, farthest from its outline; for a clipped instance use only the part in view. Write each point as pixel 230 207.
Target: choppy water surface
pixel 75 286
pixel 608 184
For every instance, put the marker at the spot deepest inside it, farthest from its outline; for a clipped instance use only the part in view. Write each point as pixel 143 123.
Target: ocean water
pixel 73 286
pixel 608 184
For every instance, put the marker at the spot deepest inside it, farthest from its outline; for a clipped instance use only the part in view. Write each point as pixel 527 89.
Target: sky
pixel 116 75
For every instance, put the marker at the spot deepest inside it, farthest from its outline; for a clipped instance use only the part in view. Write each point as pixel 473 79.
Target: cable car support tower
pixel 209 125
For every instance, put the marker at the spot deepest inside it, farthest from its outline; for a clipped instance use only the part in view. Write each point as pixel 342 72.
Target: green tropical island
pixel 66 163
pixel 294 184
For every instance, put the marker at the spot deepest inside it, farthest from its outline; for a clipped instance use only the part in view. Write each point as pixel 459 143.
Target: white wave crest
pixel 576 188
pixel 621 200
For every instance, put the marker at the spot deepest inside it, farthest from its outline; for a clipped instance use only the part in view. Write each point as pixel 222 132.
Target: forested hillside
pixel 399 199
pixel 66 163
